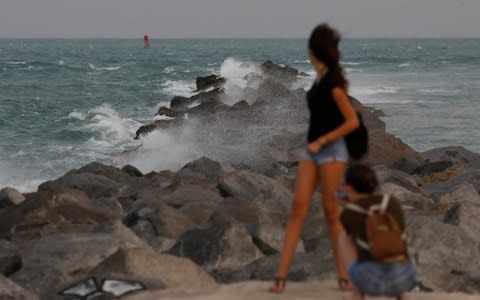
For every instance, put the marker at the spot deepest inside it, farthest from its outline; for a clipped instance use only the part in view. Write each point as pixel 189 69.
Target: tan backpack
pixel 385 240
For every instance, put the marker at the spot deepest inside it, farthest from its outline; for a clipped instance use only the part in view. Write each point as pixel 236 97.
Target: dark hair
pixel 323 42
pixel 362 178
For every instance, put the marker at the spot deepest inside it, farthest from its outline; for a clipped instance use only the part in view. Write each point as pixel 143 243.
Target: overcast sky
pixel 237 18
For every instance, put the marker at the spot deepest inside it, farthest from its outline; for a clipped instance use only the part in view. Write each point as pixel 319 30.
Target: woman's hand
pixel 316 145
pixel 313 147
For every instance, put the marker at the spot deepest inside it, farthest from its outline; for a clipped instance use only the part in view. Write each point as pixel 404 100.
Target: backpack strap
pixel 382 206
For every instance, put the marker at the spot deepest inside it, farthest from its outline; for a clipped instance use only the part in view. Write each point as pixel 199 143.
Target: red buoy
pixel 146 42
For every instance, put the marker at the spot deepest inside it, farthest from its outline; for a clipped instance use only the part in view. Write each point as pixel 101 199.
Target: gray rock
pixel 9 290
pixel 10 259
pixel 94 185
pixel 9 197
pixel 209 81
pixel 397 177
pixel 153 269
pixel 165 221
pixel 222 243
pixel 452 191
pixel 265 192
pixel 441 250
pixel 266 231
pixel 455 154
pixel 132 171
pixel 66 253
pixel 305 266
pixel 53 208
pixel 203 168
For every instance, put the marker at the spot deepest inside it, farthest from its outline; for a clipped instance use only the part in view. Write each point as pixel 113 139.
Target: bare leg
pixel 403 296
pixel 348 254
pixel 305 186
pixel 331 175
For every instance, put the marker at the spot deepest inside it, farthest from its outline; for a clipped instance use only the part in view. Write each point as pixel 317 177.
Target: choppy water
pixel 64 103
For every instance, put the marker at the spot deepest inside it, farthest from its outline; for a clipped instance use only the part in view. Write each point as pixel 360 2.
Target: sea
pixel 66 102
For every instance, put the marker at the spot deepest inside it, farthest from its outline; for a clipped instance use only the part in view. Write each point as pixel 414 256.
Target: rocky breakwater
pixel 220 219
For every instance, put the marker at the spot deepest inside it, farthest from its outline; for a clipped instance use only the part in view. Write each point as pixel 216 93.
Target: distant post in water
pixel 146 42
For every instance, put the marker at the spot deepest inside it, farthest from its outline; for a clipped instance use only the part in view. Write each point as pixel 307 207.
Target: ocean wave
pixel 351 63
pixel 93 67
pixel 168 70
pixel 166 118
pixel 236 71
pixel 76 115
pixel 179 88
pixel 368 91
pixel 404 65
pixel 16 62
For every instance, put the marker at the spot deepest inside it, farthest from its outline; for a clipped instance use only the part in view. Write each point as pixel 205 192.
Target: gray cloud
pixel 239 18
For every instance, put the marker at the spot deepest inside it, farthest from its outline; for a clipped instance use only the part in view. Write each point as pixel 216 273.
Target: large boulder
pixel 152 269
pixel 9 290
pixel 10 259
pixel 64 253
pixel 445 253
pixel 221 243
pixel 93 184
pixel 269 195
pixel 9 197
pixel 157 223
pixel 203 168
pixel 206 82
pixel 305 266
pixel 67 206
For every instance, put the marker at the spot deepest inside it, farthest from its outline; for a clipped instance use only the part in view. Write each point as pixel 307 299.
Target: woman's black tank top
pixel 324 112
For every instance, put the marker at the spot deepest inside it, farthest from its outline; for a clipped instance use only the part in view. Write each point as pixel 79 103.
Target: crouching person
pixel 373 245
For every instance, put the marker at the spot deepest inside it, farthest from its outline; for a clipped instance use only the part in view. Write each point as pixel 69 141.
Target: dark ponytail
pixel 323 42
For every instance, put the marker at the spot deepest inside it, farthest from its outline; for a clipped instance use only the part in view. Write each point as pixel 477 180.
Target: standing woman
pixel 332 117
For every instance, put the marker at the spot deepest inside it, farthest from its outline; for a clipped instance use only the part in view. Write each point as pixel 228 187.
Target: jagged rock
pixel 455 154
pixel 240 105
pixel 203 168
pixel 153 269
pixel 65 253
pixel 222 243
pixel 267 194
pixel 9 290
pixel 399 178
pixel 450 192
pixel 305 266
pixel 144 130
pixel 10 259
pixel 168 112
pixel 166 221
pixel 9 197
pixel 54 208
pixel 433 167
pixel 180 103
pixel 266 231
pixel 209 81
pixel 285 74
pixel 198 212
pixel 132 171
pixel 94 185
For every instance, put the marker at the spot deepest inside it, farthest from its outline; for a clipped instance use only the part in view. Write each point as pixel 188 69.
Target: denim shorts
pixel 333 151
pixel 374 278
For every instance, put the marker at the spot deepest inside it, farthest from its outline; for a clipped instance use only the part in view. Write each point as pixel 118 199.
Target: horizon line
pixel 237 38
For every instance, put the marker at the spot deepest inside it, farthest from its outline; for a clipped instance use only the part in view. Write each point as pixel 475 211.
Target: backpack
pixel 385 240
pixel 357 140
